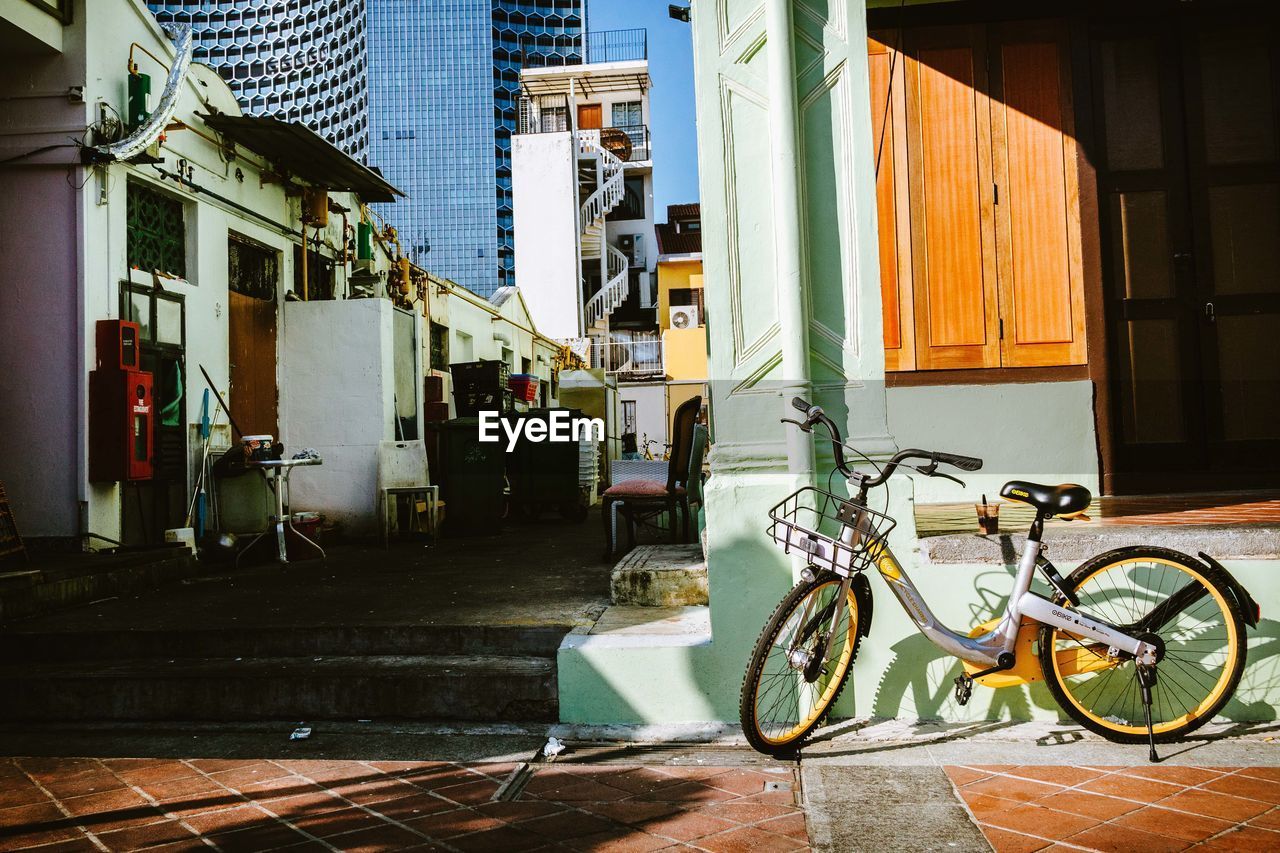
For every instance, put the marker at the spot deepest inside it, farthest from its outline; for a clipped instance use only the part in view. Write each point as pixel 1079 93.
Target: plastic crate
pixel 469 404
pixel 524 386
pixel 486 375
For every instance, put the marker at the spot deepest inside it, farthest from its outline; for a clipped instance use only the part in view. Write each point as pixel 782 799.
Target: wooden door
pixel 254 395
pixel 952 217
pixel 590 117
pixel 1189 191
pixel 1232 97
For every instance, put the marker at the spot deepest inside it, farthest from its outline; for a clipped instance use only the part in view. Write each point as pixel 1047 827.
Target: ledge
pixel 1078 543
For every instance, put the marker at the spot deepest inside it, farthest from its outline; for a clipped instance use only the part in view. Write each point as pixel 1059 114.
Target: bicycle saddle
pixel 1064 499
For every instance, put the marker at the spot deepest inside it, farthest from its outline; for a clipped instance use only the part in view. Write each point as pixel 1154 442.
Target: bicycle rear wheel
pixel 799 665
pixel 1187 609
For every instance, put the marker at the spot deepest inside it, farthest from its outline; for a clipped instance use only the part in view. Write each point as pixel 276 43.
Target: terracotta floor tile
pixel 45 812
pixel 741 812
pixel 690 794
pixel 1176 775
pixel 181 788
pixel 1110 838
pixel 377 839
pixel 792 826
pixel 375 791
pixel 1004 841
pixel 230 820
pixel 619 841
pixel 151 835
pixel 21 793
pixel 1266 820
pixel 468 793
pixel 315 801
pixel 82 784
pixel 399 767
pixel 1055 774
pixel 1036 820
pixel 746 782
pixel 251 774
pixel 749 839
pixel 272 836
pixel 1097 806
pixel 1246 786
pixel 451 823
pixel 983 805
pixel 20 838
pixel 1222 806
pixel 412 807
pixel 337 822
pixel 633 812
pixel 570 823
pixel 642 780
pixel 1271 773
pixel 147 772
pixel 690 825
pixel 586 790
pixel 1175 824
pixel 218 765
pixel 511 838
pixel 1131 787
pixel 44 767
pixel 1009 788
pixel 1246 838
pixel 80 844
pixel 961 776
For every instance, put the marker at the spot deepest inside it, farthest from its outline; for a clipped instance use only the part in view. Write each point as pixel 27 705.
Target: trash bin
pixel 546 475
pixel 471 478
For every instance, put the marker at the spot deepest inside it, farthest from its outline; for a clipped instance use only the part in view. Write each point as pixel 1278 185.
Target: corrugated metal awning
pixel 300 151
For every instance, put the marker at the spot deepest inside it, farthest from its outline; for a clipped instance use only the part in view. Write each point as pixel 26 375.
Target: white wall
pixel 1041 431
pixel 337 366
pixel 544 194
pixel 651 412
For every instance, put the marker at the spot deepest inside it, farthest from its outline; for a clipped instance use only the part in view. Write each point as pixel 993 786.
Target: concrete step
pixel 18 646
pixel 661 576
pixel 54 582
pixel 635 626
pixel 444 687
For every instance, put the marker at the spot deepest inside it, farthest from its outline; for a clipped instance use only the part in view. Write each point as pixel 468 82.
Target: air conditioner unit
pixel 683 316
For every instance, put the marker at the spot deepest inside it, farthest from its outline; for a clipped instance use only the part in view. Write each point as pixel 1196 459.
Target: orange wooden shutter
pixel 889 140
pixel 951 190
pixel 1038 213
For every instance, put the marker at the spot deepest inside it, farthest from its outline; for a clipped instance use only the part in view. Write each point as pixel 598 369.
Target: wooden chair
pixel 693 482
pixel 646 498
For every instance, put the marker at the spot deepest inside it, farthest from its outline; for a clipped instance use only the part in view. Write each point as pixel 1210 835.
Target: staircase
pixel 505 673
pixel 595 245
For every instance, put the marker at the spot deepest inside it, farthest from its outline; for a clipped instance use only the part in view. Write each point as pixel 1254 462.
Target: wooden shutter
pixel 1038 211
pixel 893 204
pixel 951 192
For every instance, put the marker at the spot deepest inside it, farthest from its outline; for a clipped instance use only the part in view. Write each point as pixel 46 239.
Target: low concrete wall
pixel 1040 431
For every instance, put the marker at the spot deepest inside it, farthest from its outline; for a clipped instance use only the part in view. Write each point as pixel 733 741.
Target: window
pixel 252 269
pixel 980 256
pixel 439 347
pixel 627 114
pixel 629 417
pixel 156 232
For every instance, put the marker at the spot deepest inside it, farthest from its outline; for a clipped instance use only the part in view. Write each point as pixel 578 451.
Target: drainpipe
pixel 785 180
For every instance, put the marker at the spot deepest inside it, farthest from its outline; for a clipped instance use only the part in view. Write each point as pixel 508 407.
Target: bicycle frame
pixel 986 649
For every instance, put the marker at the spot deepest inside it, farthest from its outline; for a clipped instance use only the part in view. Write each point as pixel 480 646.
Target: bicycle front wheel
pixel 799 665
pixel 1185 608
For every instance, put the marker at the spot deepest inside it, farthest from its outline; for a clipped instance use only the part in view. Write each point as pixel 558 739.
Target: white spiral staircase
pixel 595 244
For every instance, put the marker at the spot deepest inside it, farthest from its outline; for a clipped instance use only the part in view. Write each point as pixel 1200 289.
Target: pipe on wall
pixel 785 185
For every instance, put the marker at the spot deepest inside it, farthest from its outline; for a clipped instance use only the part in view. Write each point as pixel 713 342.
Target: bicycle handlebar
pixel 815 415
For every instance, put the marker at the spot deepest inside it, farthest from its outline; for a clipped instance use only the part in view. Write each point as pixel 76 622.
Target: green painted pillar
pixel 792 284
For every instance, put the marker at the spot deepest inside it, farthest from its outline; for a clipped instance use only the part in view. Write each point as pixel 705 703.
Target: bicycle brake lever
pixel 797 423
pixel 931 470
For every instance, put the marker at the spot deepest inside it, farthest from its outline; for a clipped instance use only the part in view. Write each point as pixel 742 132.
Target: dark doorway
pixel 254 277
pixel 1188 156
pixel 150 507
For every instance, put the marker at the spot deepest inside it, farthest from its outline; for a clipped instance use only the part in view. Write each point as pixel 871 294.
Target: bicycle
pixel 648 444
pixel 1138 644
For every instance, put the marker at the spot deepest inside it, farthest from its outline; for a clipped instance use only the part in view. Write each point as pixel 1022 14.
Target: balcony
pixel 551 114
pixel 596 48
pixel 634 356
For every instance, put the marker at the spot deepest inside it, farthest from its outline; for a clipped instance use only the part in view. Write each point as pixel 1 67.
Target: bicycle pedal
pixel 964 689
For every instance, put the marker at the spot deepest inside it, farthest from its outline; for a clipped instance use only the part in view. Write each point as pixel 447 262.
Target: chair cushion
pixel 640 489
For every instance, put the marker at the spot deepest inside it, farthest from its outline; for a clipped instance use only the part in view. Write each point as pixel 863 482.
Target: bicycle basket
pixel 809 521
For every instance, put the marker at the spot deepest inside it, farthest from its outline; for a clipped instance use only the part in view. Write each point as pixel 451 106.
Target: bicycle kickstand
pixel 1147 680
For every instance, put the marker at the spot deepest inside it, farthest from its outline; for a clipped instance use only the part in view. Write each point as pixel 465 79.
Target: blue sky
pixel 675 150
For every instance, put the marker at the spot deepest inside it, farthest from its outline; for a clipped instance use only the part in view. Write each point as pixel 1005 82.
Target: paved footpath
pixel 860 788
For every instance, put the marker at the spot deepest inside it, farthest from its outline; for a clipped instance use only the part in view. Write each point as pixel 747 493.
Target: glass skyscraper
pixel 444 80
pixel 297 60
